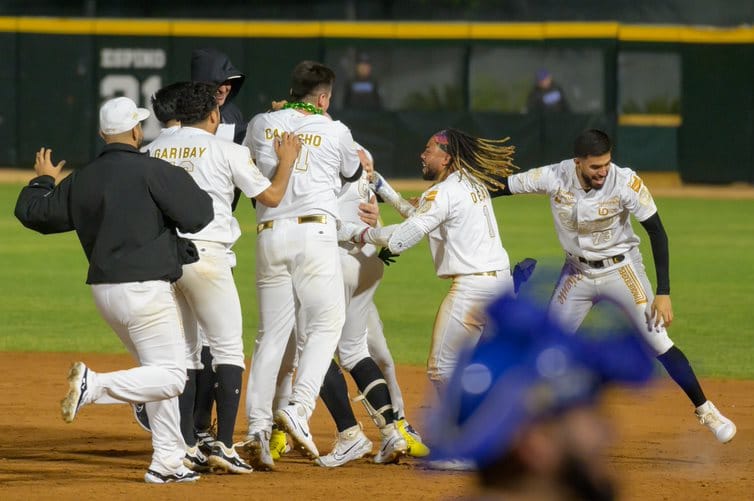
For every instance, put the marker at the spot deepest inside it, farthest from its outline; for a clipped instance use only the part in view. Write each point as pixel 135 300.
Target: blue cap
pixel 526 368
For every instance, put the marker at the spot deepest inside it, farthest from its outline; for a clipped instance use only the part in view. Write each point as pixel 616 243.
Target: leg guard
pixel 374 392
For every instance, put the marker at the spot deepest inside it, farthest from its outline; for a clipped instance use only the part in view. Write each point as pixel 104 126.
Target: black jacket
pixel 125 208
pixel 212 66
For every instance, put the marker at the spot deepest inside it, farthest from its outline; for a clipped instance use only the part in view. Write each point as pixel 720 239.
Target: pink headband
pixel 441 138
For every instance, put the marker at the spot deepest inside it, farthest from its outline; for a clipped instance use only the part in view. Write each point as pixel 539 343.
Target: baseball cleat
pixel 393 445
pixel 226 460
pixel 416 448
pixel 292 419
pixel 77 387
pixel 257 449
pixel 204 440
pixel 142 419
pixel 278 443
pixel 350 445
pixel 723 428
pixel 194 460
pixel 184 475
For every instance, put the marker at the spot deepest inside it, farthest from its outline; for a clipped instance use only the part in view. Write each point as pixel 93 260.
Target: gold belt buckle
pixel 317 218
pixel 264 226
pixel 486 274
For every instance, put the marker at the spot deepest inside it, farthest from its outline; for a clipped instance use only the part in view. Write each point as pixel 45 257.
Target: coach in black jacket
pixel 125 208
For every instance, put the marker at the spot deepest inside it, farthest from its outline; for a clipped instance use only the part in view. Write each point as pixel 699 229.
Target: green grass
pixel 46 306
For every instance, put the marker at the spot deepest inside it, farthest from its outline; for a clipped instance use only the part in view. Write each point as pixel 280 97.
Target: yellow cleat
pixel 278 443
pixel 416 447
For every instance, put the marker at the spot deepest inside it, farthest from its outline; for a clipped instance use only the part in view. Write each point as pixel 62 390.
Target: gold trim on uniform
pixel 633 284
pixel 636 183
pixel 315 218
pixel 568 285
pixel 430 196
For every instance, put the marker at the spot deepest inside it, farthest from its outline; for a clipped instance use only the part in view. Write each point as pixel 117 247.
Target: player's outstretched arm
pixel 380 186
pixel 287 148
pixel 395 237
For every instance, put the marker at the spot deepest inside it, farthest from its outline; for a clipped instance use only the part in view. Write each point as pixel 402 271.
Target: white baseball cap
pixel 120 115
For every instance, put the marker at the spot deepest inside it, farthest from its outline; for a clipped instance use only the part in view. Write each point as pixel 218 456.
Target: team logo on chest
pixel 564 198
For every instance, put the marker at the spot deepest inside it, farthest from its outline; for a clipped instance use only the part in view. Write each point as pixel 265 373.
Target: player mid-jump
pixel 591 200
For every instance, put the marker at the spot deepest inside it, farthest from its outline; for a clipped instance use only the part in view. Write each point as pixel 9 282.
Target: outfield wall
pixel 675 98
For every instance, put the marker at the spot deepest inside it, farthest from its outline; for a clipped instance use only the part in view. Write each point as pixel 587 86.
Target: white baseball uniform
pixel 602 253
pixel 207 286
pixel 297 258
pixel 362 272
pixel 458 217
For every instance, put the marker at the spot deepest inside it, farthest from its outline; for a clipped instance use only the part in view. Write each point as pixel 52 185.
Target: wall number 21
pixel 140 91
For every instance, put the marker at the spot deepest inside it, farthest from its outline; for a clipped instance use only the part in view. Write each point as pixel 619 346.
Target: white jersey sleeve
pixel 432 209
pixel 636 198
pixel 245 173
pixel 541 180
pixel 349 152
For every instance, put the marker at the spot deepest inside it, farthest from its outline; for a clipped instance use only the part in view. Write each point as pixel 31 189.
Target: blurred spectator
pixel 362 92
pixel 522 406
pixel 546 95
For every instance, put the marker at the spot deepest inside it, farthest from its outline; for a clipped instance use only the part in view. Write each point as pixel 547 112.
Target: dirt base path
pixel 663 453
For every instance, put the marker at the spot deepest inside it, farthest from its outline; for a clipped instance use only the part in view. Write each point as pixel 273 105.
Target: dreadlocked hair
pixel 486 159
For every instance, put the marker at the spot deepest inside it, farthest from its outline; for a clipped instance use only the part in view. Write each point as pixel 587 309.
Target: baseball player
pixel 591 199
pixel 125 208
pixel 298 265
pixel 207 290
pixel 362 272
pixel 213 66
pixel 457 215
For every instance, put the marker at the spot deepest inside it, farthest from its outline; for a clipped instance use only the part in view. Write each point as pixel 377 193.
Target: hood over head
pixel 211 65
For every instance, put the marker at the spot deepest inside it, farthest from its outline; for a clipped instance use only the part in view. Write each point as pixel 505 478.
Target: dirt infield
pixel 663 453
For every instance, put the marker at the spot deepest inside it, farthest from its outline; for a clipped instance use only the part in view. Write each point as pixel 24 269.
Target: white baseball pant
pixel 461 319
pixel 626 283
pixel 380 353
pixel 362 272
pixel 297 262
pixel 145 317
pixel 210 292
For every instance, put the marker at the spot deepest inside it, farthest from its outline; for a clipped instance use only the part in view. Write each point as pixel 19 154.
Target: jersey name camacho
pixel 307 139
pixel 328 152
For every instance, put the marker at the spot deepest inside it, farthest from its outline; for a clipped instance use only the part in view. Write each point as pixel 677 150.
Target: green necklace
pixel 305 107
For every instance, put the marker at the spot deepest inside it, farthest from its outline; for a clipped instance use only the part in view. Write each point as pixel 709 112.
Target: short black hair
pixel 309 77
pixel 164 100
pixel 195 102
pixel 592 143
